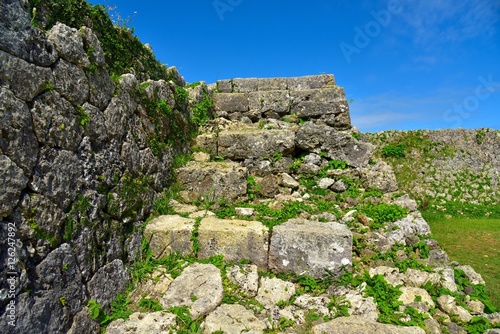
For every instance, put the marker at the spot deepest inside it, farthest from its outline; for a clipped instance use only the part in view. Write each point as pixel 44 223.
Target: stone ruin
pixel 262 126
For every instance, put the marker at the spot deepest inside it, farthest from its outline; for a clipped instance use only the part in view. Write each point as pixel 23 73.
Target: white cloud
pixel 434 22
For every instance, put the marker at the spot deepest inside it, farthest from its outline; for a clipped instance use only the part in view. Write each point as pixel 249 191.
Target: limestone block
pixel 340 121
pixel 224 86
pixel 289 182
pixel 231 102
pixel 266 84
pixel 69 44
pixel 246 277
pixel 57 175
pixel 212 181
pixel 101 88
pixel 175 76
pixel 59 276
pixel 277 101
pixel 19 38
pixel 56 122
pixel 319 303
pixel 18 140
pixel 25 80
pixel 108 282
pixel 71 82
pixel 391 275
pixel 310 82
pixel 380 176
pixel 245 85
pixel 93 45
pixel 449 305
pixel 168 234
pixel 233 319
pixel 13 183
pixel 235 239
pixel 447 278
pixel 356 324
pixel 337 145
pixel 241 145
pixel 199 287
pixel 472 275
pixel 150 323
pixel 409 294
pixel 417 278
pixel 273 290
pixel 308 247
pixel 83 323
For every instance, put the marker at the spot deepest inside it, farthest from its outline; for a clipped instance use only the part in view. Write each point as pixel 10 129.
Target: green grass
pixel 475 242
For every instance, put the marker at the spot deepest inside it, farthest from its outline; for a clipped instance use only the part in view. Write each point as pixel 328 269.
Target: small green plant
pixel 295 165
pixel 383 213
pixel 150 305
pixel 340 306
pixel 62 300
pixel 185 324
pixel 394 150
pixel 252 187
pixel 84 116
pixel 480 135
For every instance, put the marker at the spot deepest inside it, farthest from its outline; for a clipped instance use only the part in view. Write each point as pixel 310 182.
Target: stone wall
pixel 443 167
pixel 78 169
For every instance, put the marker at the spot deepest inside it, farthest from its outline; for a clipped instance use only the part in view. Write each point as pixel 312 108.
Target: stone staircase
pixel 278 144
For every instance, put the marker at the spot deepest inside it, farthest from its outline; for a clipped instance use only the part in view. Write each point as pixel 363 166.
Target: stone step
pixel 250 142
pixel 245 143
pixel 245 85
pixel 298 246
pixel 212 181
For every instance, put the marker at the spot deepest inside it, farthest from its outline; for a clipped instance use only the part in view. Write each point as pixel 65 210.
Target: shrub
pixel 394 150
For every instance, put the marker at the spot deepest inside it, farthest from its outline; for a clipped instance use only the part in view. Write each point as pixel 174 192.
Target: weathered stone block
pixel 140 322
pixel 168 234
pixel 241 145
pixel 230 102
pixel 308 247
pixel 25 80
pixel 224 86
pixel 266 84
pixel 108 282
pixel 233 319
pixel 71 82
pixel 380 176
pixel 18 140
pixel 13 183
pixel 235 239
pixel 272 290
pixel 245 85
pixel 360 324
pixel 337 145
pixel 277 101
pixel 199 287
pixel 56 122
pixel 310 82
pixel 69 44
pixel 212 181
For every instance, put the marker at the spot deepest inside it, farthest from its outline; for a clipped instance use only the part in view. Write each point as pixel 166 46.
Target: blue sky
pixel 406 64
